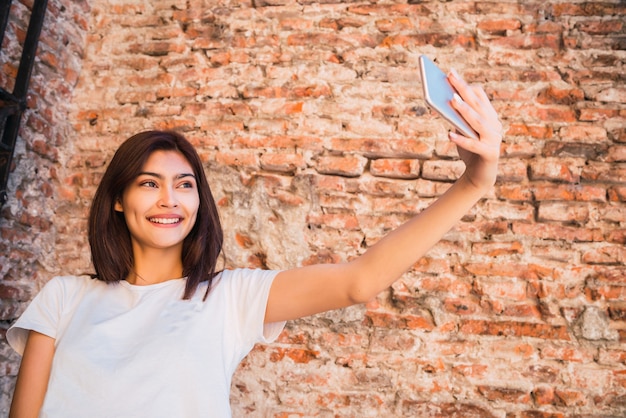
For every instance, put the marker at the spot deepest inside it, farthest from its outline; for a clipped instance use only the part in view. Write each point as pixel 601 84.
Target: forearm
pixel 32 379
pixel 318 288
pixel 393 255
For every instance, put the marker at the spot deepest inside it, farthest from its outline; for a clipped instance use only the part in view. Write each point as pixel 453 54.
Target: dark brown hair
pixel 109 237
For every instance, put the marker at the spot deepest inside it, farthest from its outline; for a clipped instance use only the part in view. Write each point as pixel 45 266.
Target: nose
pixel 168 199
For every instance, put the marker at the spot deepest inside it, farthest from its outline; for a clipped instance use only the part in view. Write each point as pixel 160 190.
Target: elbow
pixel 360 293
pixel 358 299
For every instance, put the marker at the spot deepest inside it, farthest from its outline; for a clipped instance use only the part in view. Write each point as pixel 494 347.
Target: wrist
pixel 476 189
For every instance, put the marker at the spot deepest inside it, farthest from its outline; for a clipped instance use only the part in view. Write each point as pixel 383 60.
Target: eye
pixel 187 185
pixel 148 183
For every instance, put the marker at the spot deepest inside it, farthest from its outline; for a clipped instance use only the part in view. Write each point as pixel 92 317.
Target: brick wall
pixel 35 220
pixel 317 141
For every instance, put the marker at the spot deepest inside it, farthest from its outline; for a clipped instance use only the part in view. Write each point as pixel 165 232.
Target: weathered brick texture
pixel 317 141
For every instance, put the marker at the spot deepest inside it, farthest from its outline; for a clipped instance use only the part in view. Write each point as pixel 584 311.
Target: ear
pixel 118 206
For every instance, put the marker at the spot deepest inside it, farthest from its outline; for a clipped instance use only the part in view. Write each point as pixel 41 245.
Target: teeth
pixel 165 221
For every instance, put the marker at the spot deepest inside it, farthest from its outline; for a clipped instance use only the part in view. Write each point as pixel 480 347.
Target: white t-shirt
pixel 141 351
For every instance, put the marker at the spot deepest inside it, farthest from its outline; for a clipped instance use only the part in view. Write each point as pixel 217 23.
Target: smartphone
pixel 438 93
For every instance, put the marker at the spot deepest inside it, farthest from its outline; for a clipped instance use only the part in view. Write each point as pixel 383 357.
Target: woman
pixel 159 333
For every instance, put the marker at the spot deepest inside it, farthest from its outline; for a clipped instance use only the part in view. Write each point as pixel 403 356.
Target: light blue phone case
pixel 438 93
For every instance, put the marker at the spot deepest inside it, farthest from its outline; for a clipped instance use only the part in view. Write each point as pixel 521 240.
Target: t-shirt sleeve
pixel 41 315
pixel 252 288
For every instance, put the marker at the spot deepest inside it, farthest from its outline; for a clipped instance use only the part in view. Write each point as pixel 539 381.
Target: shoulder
pixel 243 274
pixel 244 281
pixel 72 282
pixel 63 286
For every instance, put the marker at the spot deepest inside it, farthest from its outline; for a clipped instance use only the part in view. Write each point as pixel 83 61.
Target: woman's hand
pixel 480 156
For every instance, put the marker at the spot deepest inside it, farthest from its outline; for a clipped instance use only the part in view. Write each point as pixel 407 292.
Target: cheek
pixel 193 205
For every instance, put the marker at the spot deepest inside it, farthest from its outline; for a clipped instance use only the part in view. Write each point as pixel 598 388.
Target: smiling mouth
pixel 165 221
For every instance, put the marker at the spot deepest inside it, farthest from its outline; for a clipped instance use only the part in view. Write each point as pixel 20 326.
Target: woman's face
pixel 160 206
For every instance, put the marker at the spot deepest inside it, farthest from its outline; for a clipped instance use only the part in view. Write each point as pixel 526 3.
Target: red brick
pixel 433 39
pixel 180 124
pixel 499 26
pixel 514 192
pixel 237 159
pixel 414 408
pixel 380 148
pixel 617 194
pixel 596 114
pixel 298 355
pixel 544 27
pixel 558 232
pixel 563 212
pixel 322 256
pixel 509 289
pixel 528 41
pixel 567 354
pixel 593 171
pixel 520 150
pixel 442 170
pixel 606 254
pixel 506 394
pixel 610 356
pixel 336 221
pixel 512 170
pixel 279 142
pixel 551 114
pixel 390 9
pixel 543 395
pixel 401 169
pixel 569 192
pixel 514 329
pixel 388 320
pixel 551 169
pixel 617 236
pixel 586 9
pixel 496 210
pixel 383 188
pixel 583 133
pixel 339 24
pixel 617 153
pixel 284 163
pixel 460 306
pixel 571 397
pixel 495 249
pixel 135 96
pixel 471 370
pixel 349 165
pixel 563 96
pixel 334 40
pixel 394 25
pixel 540 414
pixel 600 27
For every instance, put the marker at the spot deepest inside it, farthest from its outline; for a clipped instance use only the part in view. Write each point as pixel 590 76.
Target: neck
pixel 155 267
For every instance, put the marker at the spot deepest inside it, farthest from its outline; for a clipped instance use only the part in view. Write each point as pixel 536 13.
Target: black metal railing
pixel 13 105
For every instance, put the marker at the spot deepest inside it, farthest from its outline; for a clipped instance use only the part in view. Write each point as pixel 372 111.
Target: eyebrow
pixel 160 176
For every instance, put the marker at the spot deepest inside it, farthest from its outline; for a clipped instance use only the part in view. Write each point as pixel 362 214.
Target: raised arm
pixel 312 289
pixel 32 379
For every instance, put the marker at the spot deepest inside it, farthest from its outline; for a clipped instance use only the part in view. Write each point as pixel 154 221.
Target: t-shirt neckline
pixel 147 287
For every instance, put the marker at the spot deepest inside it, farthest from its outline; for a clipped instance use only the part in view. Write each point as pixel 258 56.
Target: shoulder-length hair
pixel 109 237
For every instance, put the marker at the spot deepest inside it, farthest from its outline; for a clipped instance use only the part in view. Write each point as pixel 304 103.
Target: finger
pixel 487 127
pixel 464 89
pixel 487 107
pixel 485 150
pixel 474 95
pixel 470 115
